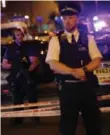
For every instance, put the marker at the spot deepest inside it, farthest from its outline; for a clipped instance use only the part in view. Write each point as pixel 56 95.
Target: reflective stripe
pixel 74 81
pixel 69 9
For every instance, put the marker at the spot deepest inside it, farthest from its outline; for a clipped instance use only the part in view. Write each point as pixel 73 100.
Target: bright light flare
pixel 3 3
pixel 26 17
pixel 95 18
pixel 99 25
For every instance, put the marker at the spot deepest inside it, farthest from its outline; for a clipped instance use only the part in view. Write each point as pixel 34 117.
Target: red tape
pixel 26 105
pixel 45 103
pixel 34 113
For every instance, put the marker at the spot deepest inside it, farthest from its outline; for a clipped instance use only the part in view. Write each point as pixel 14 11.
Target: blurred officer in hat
pixel 73 55
pixel 22 61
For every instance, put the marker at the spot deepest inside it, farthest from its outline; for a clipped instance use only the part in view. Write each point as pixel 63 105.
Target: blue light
pixel 56 18
pixel 95 18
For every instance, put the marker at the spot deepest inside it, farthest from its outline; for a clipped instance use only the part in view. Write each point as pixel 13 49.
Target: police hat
pixel 69 8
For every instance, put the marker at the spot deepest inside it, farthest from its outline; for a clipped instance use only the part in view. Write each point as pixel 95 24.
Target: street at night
pixel 55 67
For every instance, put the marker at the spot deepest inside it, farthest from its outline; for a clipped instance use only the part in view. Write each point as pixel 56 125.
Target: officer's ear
pixel 13 34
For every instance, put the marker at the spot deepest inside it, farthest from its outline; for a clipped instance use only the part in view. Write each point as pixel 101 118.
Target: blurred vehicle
pixel 103 72
pixel 99 27
pixel 44 37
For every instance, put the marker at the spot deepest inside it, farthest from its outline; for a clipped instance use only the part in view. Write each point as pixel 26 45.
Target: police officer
pixel 14 55
pixel 73 55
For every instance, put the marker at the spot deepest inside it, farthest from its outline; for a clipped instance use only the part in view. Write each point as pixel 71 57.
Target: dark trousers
pixel 20 91
pixel 75 98
pixel 18 94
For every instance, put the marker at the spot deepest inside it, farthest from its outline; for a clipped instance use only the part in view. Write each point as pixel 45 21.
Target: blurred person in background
pixel 23 63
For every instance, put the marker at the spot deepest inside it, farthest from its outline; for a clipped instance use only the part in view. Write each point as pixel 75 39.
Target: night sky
pixel 89 7
pixel 92 7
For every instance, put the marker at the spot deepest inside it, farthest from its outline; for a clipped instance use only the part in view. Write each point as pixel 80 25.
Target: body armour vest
pixel 18 57
pixel 74 55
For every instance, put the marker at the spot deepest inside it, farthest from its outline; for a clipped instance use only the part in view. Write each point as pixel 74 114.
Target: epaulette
pixel 59 33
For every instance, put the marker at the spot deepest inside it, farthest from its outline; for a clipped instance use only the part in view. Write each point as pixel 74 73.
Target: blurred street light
pixel 36 37
pixel 26 17
pixel 99 25
pixel 3 3
pixel 95 18
pixel 42 52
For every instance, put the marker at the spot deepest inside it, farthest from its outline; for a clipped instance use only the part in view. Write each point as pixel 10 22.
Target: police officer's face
pixel 70 22
pixel 19 36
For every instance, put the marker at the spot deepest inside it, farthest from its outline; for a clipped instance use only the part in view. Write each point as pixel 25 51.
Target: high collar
pixel 75 32
pixel 18 43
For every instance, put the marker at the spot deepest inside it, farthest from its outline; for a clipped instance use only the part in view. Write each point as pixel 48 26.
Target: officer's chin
pixel 70 29
pixel 20 40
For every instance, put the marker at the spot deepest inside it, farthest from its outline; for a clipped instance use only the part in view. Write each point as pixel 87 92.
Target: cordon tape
pixel 46 109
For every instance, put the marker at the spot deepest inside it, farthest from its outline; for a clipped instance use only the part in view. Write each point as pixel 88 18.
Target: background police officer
pixel 74 55
pixel 18 57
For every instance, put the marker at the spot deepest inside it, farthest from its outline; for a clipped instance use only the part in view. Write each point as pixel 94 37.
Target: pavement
pixel 48 125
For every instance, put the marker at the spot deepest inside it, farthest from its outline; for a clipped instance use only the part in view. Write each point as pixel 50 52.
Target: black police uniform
pixel 76 95
pixel 21 81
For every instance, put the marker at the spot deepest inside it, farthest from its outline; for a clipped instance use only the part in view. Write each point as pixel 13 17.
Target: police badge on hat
pixel 69 8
